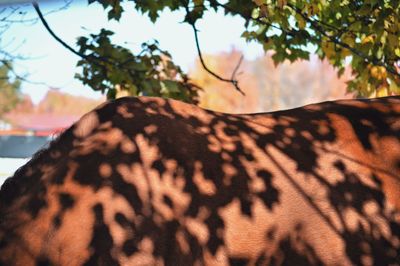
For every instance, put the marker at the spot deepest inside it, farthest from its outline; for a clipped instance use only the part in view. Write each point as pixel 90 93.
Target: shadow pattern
pixel 150 181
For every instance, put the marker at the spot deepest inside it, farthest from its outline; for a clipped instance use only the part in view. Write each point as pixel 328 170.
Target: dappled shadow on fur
pixel 153 181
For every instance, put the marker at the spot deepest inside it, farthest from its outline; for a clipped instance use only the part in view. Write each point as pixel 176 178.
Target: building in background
pixel 39 124
pixel 29 128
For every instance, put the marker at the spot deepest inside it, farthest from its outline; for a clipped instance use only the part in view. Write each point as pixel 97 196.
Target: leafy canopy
pixel 364 34
pixel 112 68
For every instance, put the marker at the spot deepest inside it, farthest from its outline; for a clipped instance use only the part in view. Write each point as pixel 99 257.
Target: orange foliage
pixel 25 105
pixel 56 102
pixel 267 87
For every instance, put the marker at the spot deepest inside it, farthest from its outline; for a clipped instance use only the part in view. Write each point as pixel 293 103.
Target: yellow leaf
pixel 374 72
pixel 383 73
pixel 378 72
pixel 382 91
pixel 394 88
pixel 397 52
pixel 368 39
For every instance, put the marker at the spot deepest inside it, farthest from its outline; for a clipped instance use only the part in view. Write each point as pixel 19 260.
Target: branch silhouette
pixel 232 80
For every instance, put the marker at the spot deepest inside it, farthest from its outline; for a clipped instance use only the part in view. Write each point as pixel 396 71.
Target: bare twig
pixel 237 67
pixel 11 57
pixel 32 21
pixel 232 80
pixel 17 76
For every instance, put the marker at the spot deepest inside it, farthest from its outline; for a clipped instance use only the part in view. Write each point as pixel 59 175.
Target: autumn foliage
pixel 57 103
pixel 267 87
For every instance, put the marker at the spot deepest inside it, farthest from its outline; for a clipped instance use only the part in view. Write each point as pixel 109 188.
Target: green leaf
pixel 170 85
pixel 111 94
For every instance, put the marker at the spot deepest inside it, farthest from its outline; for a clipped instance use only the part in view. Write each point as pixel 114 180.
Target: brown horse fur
pixel 150 181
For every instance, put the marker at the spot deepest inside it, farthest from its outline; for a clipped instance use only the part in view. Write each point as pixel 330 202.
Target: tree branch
pixel 91 59
pixel 44 22
pixel 237 67
pixel 232 80
pixel 96 60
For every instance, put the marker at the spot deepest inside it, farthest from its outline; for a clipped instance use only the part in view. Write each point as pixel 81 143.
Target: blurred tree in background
pixel 58 103
pixel 267 87
pixel 10 94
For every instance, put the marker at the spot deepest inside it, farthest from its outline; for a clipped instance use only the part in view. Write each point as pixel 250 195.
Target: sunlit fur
pixel 149 181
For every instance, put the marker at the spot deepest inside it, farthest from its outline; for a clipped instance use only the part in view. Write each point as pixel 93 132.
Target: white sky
pixel 55 65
